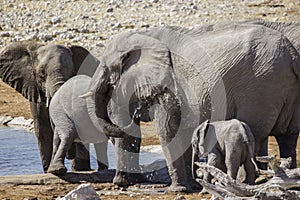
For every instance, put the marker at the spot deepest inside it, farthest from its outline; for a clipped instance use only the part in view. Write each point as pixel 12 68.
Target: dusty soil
pixel 90 23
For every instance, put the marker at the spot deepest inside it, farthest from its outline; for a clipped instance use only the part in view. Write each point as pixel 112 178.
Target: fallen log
pixel 278 187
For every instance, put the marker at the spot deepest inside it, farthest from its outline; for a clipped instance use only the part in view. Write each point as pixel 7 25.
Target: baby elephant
pixel 227 145
pixel 71 122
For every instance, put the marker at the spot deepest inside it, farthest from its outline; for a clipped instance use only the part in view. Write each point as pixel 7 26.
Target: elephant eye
pixel 41 73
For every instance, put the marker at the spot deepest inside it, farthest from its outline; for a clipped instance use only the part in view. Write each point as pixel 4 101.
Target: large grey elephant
pixel 227 145
pixel 183 77
pixel 37 71
pixel 286 137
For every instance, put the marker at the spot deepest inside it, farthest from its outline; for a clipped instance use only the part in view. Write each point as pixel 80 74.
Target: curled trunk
pixel 100 118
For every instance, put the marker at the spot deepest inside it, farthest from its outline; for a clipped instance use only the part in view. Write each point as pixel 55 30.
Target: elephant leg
pixel 57 165
pixel 127 160
pixel 43 132
pixel 168 117
pixel 82 158
pixel 250 171
pixel 232 160
pixel 262 151
pixel 101 153
pixel 287 145
pixel 71 152
pixel 56 142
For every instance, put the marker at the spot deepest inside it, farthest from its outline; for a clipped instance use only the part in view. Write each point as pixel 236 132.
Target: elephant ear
pixel 144 63
pixel 84 62
pixel 16 69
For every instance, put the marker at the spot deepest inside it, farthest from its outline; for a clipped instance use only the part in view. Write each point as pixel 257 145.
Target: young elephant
pixel 71 122
pixel 228 145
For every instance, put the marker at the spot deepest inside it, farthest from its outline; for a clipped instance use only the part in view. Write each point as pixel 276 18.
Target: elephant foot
pixel 121 180
pixel 179 188
pixel 57 169
pixel 125 179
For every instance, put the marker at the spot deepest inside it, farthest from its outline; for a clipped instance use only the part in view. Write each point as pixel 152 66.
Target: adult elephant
pixel 285 137
pixel 183 77
pixel 37 71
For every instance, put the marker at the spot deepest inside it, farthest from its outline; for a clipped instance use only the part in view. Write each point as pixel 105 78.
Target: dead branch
pixel 278 187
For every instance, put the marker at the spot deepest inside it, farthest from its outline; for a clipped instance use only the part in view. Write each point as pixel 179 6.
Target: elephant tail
pixel 249 141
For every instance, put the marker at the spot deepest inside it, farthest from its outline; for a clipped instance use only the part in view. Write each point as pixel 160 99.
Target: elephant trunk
pixel 99 117
pixel 52 85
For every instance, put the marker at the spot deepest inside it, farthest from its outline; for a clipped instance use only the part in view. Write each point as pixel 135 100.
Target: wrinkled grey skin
pixel 286 137
pixel 248 72
pixel 70 122
pixel 37 71
pixel 227 146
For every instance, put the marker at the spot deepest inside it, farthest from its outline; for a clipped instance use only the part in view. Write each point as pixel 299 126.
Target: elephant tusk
pixel 47 102
pixel 88 94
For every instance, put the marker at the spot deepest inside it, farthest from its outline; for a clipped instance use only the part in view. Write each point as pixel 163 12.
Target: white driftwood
pixel 18 122
pixel 277 187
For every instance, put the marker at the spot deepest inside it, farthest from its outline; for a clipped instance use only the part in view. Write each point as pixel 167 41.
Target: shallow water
pixel 19 154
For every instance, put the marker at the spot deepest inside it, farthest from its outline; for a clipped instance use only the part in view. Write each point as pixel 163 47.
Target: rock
pixel 180 197
pixel 55 20
pixel 21 122
pixel 100 45
pixel 30 198
pixel 5 34
pixel 70 36
pixel 5 119
pixel 109 9
pixel 82 192
pixel 46 37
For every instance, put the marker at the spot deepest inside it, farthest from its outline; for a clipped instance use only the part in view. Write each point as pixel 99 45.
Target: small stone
pixel 55 20
pixel 36 23
pixel 109 9
pixel 46 37
pixel 118 25
pixel 145 25
pixel 100 45
pixel 180 197
pixel 5 34
pixel 84 17
pixel 30 198
pixel 83 191
pixel 84 30
pixel 70 36
pixel 206 13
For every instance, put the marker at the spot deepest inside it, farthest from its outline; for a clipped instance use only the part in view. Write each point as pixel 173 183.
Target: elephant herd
pixel 180 77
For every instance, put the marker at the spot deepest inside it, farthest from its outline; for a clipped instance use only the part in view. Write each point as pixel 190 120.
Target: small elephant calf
pixel 71 122
pixel 227 145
